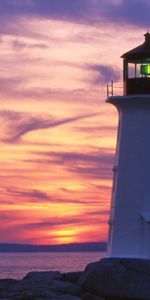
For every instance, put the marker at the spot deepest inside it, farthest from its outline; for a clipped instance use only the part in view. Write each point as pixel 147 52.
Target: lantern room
pixel 136 69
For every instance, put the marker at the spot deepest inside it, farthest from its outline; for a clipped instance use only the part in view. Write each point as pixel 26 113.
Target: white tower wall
pixel 129 233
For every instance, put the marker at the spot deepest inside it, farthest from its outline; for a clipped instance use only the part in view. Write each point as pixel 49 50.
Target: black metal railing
pixel 114 88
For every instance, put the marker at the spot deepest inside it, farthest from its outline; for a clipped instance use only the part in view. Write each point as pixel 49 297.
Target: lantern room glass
pixel 138 70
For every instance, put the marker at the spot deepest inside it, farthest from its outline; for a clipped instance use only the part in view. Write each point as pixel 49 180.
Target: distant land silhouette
pixel 9 247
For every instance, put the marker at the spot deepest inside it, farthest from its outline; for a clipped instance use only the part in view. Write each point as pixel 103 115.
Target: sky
pixel 57 133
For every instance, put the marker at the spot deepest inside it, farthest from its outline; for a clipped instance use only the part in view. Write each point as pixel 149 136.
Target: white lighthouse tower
pixel 129 224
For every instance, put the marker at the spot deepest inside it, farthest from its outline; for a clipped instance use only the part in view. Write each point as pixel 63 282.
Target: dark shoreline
pixel 107 279
pixel 75 247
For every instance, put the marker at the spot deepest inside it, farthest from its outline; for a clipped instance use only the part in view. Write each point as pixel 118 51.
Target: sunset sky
pixel 57 134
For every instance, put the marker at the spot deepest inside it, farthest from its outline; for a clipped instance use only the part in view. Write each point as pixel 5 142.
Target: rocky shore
pixel 108 279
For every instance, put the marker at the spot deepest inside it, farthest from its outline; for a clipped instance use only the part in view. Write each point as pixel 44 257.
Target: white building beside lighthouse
pixel 129 223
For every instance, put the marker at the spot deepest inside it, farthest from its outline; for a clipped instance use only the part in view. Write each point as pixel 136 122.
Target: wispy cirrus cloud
pixel 17 124
pixel 54 222
pixel 96 165
pixel 39 197
pixel 19 45
pixel 13 87
pixel 81 219
pixel 96 130
pixel 33 195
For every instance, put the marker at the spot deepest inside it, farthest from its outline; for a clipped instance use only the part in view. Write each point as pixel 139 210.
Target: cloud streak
pixel 19 124
pixel 94 165
pixel 32 195
pixel 20 45
pixel 74 220
pixel 38 196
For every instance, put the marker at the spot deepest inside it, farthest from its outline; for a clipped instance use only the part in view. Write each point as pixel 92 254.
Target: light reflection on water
pixel 17 265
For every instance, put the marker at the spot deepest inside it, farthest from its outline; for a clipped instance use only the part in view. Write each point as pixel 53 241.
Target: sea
pixel 17 265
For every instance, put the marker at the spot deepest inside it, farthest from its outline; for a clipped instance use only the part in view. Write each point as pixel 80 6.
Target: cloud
pixel 6 216
pixel 79 220
pixel 96 130
pixel 95 165
pixel 63 9
pixel 19 45
pixel 67 157
pixel 37 196
pixel 9 84
pixel 53 223
pixel 104 74
pixel 98 213
pixel 32 194
pixel 18 124
pixel 134 12
pixel 13 88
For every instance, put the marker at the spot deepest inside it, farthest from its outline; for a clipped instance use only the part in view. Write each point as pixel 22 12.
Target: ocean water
pixel 17 265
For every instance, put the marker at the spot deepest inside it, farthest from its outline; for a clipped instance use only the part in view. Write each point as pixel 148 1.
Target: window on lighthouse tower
pixel 138 70
pixel 145 70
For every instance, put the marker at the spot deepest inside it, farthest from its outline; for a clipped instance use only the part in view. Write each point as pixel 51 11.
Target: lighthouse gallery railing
pixel 114 88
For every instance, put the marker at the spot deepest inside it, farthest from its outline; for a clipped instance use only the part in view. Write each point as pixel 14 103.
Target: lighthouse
pixel 129 222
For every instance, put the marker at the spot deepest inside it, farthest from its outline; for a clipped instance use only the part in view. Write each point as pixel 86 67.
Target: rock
pixel 37 294
pixel 69 297
pixel 8 287
pixel 43 277
pixel 89 296
pixel 38 286
pixel 72 276
pixel 118 277
pixel 65 287
pixel 51 297
pixel 110 278
pixel 8 282
pixel 50 281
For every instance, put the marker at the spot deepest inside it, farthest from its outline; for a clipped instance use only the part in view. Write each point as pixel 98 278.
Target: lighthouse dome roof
pixel 140 52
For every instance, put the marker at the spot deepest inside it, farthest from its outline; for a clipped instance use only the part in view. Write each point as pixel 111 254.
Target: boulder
pixel 89 296
pixel 39 286
pixel 72 276
pixel 65 287
pixel 118 278
pixel 110 278
pixel 53 281
pixel 69 297
pixel 44 277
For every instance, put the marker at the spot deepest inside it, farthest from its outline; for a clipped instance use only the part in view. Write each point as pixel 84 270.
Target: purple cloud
pixel 18 124
pixel 73 220
pixel 104 74
pixel 37 196
pixel 89 165
pixel 53 223
pixel 32 194
pixel 132 12
pixel 20 45
pixel 96 130
pixel 54 8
